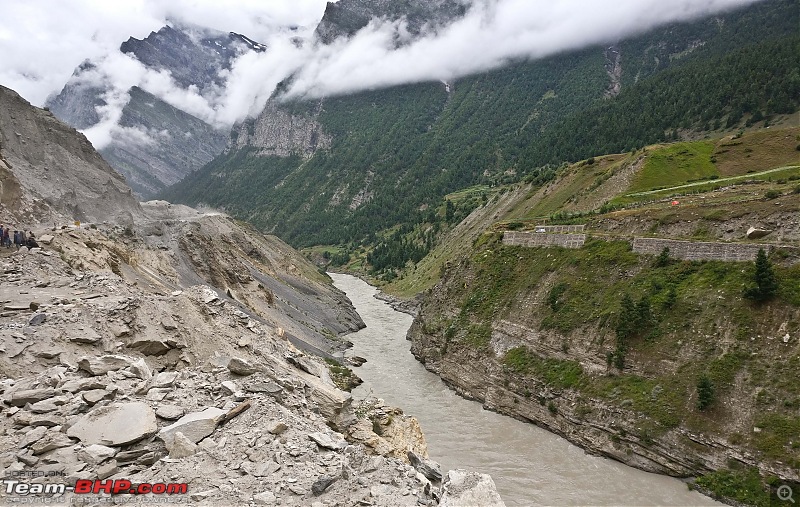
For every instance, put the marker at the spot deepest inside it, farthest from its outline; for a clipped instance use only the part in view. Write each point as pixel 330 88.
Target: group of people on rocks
pixel 17 238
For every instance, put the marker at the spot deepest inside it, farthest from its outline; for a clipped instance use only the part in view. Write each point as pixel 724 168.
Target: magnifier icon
pixel 785 493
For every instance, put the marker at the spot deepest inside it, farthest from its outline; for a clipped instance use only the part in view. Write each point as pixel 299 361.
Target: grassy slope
pixel 701 325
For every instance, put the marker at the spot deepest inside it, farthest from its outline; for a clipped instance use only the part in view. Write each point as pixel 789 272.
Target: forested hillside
pixel 395 153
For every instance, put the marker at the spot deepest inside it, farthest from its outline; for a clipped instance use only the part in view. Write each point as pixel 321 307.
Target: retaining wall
pixel 698 250
pixel 515 238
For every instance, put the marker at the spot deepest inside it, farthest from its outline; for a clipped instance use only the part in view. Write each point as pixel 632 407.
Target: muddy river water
pixel 529 465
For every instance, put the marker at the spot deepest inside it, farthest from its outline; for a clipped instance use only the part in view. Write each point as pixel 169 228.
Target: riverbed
pixel 529 465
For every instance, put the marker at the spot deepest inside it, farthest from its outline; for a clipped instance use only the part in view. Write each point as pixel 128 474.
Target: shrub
pixel 772 194
pixel 663 258
pixel 705 392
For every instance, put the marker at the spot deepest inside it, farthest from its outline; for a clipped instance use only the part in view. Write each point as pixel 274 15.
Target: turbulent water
pixel 529 465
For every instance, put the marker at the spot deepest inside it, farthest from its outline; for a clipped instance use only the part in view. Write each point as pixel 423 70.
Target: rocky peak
pixel 193 55
pixel 346 17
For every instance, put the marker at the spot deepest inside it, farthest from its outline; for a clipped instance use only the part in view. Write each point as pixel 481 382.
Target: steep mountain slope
pixel 361 164
pixel 158 144
pixel 176 143
pixel 48 167
pixel 545 334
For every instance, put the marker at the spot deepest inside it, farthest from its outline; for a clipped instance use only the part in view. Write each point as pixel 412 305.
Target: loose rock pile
pixel 106 378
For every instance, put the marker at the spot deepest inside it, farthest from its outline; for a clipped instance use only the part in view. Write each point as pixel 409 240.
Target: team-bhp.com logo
pixel 85 487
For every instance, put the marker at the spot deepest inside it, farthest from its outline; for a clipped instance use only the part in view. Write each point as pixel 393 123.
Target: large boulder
pixel 754 233
pixel 195 426
pixel 466 489
pixel 115 425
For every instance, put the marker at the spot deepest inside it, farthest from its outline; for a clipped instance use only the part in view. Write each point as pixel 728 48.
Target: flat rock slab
pixel 170 412
pixel 327 441
pixel 195 426
pixel 116 425
pixel 101 365
pixel 22 398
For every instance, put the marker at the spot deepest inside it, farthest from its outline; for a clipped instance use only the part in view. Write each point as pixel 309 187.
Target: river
pixel 529 465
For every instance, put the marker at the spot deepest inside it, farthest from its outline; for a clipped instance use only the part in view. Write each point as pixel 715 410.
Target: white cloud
pixel 492 33
pixel 42 41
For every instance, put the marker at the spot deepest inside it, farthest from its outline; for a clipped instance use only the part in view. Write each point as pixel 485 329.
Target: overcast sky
pixel 42 41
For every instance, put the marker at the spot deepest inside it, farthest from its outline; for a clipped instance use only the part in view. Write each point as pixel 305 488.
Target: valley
pixel 594 244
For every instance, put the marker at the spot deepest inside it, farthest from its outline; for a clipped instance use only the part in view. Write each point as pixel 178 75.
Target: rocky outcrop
pixel 278 132
pixel 644 415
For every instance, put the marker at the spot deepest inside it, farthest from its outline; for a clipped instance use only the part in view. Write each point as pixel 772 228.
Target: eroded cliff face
pixel 496 331
pixel 279 132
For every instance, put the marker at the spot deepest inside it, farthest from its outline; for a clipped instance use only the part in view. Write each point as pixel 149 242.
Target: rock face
pixel 277 132
pixel 49 166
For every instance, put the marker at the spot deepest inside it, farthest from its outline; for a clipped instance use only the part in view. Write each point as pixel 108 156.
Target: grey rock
pixel 22 398
pixel 429 468
pixel 48 420
pixel 44 406
pixel 53 440
pixel 86 336
pixel 195 426
pixel 170 412
pixel 150 346
pixel 84 384
pixel 33 436
pixel 179 446
pixel 37 319
pixel 228 387
pixel 241 367
pixel 462 488
pixel 107 469
pixel 277 428
pixel 46 239
pixel 141 369
pixel 93 396
pixel 165 379
pixel 169 324
pixel 321 484
pixel 28 459
pixel 327 441
pixel 116 425
pixel 265 498
pixel 96 454
pixel 101 365
pixel 754 233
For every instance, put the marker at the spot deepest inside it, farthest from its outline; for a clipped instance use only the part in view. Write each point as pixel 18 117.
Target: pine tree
pixel 766 283
pixel 705 392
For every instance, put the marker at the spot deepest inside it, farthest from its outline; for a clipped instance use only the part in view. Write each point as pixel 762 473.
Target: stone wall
pixel 562 229
pixel 698 250
pixel 515 238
